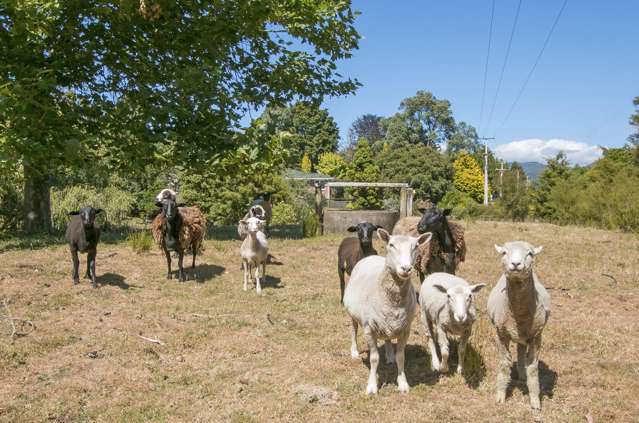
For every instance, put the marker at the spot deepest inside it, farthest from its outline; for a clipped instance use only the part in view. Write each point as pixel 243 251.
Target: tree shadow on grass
pixel 114 279
pixel 204 272
pixel 547 381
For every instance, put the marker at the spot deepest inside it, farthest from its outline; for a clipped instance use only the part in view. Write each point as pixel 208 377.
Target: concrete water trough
pixel 337 220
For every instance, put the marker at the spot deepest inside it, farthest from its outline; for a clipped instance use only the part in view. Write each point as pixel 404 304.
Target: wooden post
pixel 403 210
pixel 318 207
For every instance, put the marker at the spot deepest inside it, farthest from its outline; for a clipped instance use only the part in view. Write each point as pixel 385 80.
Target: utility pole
pixel 485 139
pixel 501 178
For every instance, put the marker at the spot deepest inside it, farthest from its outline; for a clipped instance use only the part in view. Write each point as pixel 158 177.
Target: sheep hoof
pixel 535 404
pixel 371 389
pixel 403 387
pixel 76 281
pixel 169 276
pixel 354 353
pixel 460 370
pixel 501 397
pixel 87 276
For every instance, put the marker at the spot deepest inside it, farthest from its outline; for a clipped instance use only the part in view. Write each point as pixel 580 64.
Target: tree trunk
pixel 37 201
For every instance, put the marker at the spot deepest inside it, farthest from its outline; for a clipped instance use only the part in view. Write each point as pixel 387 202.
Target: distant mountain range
pixel 532 169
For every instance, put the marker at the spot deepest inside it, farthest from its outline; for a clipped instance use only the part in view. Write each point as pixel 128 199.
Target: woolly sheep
pixel 381 299
pixel 254 251
pixel 178 229
pixel 430 257
pixel 447 308
pixel 351 250
pixel 519 307
pixel 83 235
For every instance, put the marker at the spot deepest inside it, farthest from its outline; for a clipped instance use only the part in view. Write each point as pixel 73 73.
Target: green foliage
pixel 331 164
pixel 423 119
pixel 469 178
pixel 115 204
pixel 366 126
pixel 142 83
pixel 307 129
pixel 284 214
pixel 424 168
pixel 306 165
pixel 364 169
pixel 11 184
pixel 140 241
pixel 556 170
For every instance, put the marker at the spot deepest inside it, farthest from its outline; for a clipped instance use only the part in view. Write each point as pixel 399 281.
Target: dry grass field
pixel 229 355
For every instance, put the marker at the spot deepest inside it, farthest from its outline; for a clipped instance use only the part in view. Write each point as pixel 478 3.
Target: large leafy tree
pixel 422 119
pixel 634 138
pixel 132 83
pixel 425 169
pixel 309 130
pixel 366 126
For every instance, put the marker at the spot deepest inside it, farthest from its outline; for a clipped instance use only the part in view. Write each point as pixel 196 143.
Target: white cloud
pixel 536 150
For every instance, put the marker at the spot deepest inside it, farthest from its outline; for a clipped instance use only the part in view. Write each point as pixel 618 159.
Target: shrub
pixel 140 241
pixel 283 214
pixel 116 204
pixel 331 164
pixel 10 197
pixel 469 177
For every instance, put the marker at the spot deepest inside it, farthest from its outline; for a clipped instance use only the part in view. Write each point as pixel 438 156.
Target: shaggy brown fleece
pixel 191 233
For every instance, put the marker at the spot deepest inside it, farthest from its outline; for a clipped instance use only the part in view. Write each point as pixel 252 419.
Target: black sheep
pixel 351 250
pixel 83 235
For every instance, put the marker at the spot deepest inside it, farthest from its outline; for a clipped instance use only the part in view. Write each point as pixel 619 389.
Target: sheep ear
pixel 476 288
pixel 424 238
pixel 440 288
pixel 243 222
pixel 538 250
pixel 501 250
pixel 74 213
pixel 98 211
pixel 383 235
pixel 447 212
pixel 352 229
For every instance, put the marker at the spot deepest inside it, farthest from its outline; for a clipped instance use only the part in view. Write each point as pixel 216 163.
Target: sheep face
pixel 433 220
pixel 518 258
pixel 461 301
pixel 87 215
pixel 253 224
pixel 401 251
pixel 365 232
pixel 169 208
pixel 166 194
pixel 257 211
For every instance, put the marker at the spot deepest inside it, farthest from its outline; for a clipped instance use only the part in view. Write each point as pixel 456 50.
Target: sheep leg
pixel 76 264
pixel 532 372
pixel 245 267
pixel 442 340
pixel 389 353
pixel 91 267
pixel 194 248
pixel 258 286
pixel 461 351
pixel 87 275
pixel 168 264
pixel 342 283
pixel 521 361
pixel 402 383
pixel 264 269
pixel 373 357
pixel 503 373
pixel 354 351
pixel 181 272
pixel 430 339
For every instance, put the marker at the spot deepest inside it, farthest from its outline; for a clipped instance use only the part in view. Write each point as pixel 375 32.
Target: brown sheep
pixel 178 229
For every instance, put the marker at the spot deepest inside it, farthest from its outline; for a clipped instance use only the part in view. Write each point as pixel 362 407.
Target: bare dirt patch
pixel 224 354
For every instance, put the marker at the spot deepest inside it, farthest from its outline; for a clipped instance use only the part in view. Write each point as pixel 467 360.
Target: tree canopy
pixel 135 83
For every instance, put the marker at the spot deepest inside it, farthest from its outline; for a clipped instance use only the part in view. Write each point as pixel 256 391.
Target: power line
pixel 490 37
pixel 541 52
pixel 503 67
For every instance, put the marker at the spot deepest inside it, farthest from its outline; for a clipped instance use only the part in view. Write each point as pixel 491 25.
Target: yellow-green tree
pixel 331 164
pixel 306 164
pixel 469 177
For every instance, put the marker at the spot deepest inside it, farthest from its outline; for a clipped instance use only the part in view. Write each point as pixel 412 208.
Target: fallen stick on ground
pixel 611 277
pixel 155 341
pixel 14 332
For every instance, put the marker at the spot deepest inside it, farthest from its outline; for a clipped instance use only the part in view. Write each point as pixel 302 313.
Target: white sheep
pixel 447 308
pixel 380 298
pixel 519 307
pixel 254 251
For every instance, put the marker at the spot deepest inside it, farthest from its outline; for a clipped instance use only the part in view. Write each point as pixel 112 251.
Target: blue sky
pixel 580 94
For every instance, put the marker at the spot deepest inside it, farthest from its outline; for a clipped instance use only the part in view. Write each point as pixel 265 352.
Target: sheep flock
pixel 379 297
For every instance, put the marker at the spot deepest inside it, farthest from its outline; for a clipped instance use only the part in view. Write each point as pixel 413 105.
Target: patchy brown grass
pixel 233 356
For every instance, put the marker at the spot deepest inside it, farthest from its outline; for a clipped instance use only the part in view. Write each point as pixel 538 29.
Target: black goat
pixel 351 250
pixel 83 235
